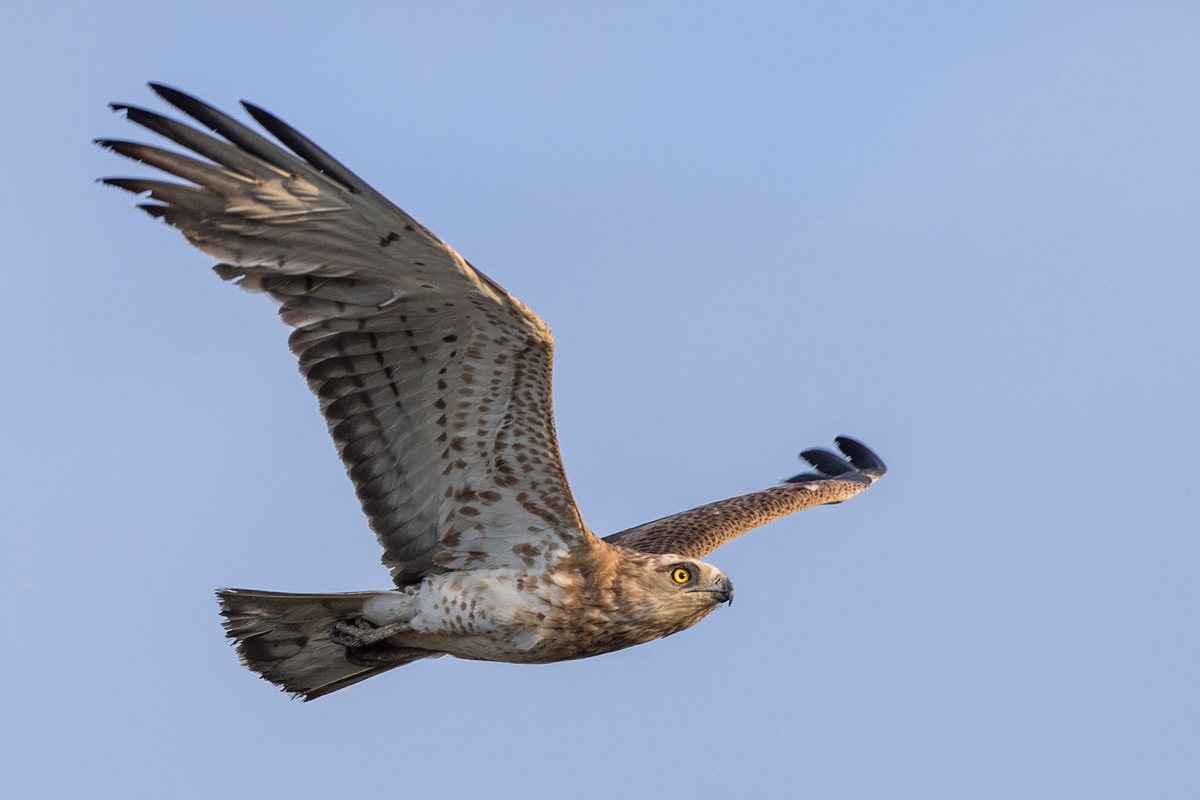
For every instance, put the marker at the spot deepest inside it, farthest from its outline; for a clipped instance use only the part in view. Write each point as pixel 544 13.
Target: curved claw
pixel 862 462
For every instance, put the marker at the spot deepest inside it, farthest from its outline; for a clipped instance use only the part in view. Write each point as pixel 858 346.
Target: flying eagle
pixel 435 383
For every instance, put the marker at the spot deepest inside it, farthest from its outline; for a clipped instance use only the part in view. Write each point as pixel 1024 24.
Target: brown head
pixel 665 594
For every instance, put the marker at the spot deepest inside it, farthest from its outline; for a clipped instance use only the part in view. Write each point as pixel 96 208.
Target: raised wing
pixel 434 380
pixel 698 532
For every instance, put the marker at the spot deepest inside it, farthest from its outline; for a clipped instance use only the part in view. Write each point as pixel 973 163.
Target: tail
pixel 285 639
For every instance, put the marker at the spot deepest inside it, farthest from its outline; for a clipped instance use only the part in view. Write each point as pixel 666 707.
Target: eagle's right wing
pixel 698 532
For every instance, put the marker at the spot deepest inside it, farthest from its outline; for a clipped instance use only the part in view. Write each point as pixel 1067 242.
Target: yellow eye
pixel 680 575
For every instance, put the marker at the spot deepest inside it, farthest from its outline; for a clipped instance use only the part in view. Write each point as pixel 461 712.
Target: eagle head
pixel 670 593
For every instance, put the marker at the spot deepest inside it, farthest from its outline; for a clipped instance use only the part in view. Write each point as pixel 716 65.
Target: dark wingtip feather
pixel 863 464
pixel 861 456
pixel 202 112
pixel 174 96
pixel 154 210
pixel 262 116
pixel 826 462
pixel 131 185
pixel 302 146
pixel 280 130
pixel 134 113
pixel 121 147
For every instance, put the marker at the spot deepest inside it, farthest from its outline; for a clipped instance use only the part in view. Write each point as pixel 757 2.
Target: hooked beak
pixel 726 591
pixel 722 592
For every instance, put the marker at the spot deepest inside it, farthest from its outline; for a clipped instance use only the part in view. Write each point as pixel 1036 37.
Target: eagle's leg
pixel 360 633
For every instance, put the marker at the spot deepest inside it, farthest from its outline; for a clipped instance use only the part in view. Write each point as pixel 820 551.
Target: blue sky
pixel 964 233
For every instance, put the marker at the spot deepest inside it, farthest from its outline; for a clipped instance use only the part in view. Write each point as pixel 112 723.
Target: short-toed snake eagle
pixel 435 383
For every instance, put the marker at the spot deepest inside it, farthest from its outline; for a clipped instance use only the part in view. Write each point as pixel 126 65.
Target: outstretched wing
pixel 434 380
pixel 698 532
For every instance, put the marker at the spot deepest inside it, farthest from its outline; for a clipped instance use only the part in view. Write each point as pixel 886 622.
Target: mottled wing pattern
pixel 435 382
pixel 698 532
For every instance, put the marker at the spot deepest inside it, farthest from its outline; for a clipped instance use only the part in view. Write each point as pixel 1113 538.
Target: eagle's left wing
pixel 434 381
pixel 698 532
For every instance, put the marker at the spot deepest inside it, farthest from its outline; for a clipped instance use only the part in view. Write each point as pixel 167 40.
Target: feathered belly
pixel 517 617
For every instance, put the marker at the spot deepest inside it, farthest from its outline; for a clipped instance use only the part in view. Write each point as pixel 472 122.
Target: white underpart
pixel 473 614
pixel 388 607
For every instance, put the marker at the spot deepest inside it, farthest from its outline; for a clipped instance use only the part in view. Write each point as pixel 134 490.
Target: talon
pixel 351 632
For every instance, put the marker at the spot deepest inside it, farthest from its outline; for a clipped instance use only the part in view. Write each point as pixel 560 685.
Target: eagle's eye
pixel 681 575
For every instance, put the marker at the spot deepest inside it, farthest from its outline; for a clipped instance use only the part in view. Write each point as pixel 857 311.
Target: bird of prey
pixel 435 383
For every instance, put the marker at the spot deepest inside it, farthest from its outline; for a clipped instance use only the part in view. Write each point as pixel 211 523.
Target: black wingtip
pixel 134 113
pixel 258 112
pixel 131 185
pixel 826 462
pixel 300 145
pixel 861 456
pixel 154 209
pixel 193 106
pixel 122 147
pixel 170 93
pixel 126 108
pixel 862 463
pixel 271 123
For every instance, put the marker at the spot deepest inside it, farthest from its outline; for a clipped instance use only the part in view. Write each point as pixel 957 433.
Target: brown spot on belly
pixel 526 549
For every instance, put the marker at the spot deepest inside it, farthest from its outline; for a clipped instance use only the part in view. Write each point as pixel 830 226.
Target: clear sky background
pixel 966 233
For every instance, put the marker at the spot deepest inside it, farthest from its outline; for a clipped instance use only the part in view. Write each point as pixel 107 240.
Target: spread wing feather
pixel 434 381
